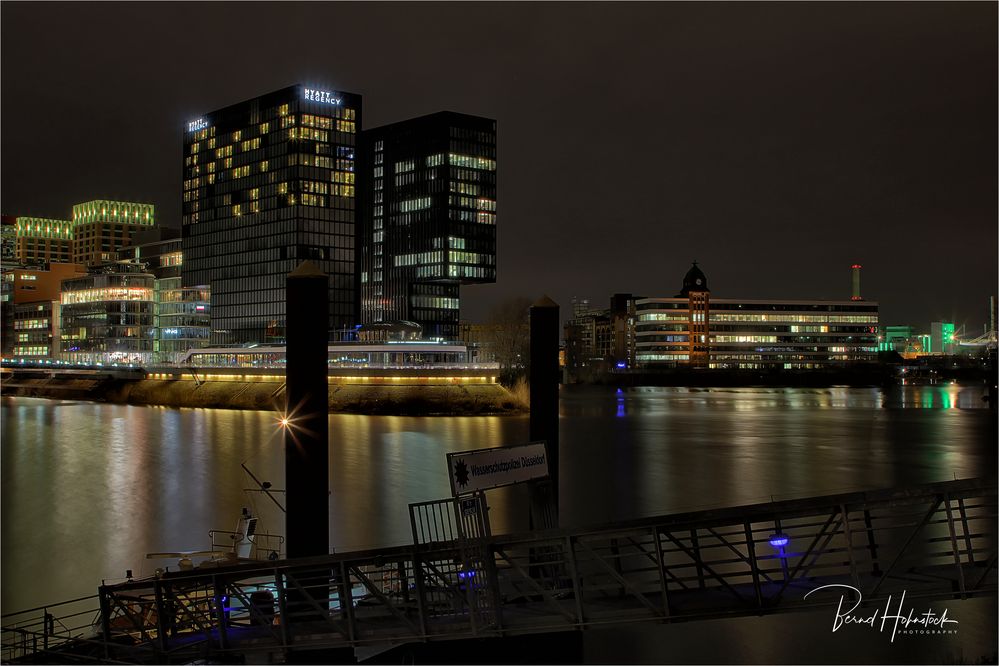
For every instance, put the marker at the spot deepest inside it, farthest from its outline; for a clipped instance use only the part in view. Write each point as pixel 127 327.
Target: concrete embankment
pixel 424 399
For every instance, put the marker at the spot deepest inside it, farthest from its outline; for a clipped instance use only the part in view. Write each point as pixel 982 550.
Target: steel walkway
pixel 935 541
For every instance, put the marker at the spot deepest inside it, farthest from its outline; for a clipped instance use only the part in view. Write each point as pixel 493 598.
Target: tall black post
pixel 544 377
pixel 306 436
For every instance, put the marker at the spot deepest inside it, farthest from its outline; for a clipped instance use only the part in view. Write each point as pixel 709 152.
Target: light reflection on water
pixel 89 488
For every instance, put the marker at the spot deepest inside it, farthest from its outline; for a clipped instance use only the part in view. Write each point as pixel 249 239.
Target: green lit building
pixel 41 239
pixel 896 338
pixel 942 338
pixel 101 227
pixel 97 229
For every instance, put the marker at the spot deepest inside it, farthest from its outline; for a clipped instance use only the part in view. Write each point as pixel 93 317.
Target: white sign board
pixel 470 471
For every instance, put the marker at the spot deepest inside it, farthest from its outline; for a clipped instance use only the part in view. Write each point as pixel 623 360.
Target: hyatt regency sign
pixel 324 96
pixel 470 471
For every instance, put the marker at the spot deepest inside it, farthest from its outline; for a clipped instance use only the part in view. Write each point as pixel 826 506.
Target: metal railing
pixel 936 541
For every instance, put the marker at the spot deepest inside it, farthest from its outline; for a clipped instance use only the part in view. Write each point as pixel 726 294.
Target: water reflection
pixel 88 488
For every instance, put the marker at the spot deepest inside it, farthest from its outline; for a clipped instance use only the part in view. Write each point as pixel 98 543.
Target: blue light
pixel 779 540
pixel 622 364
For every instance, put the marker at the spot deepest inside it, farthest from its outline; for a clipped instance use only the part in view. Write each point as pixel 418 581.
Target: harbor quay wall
pixel 390 395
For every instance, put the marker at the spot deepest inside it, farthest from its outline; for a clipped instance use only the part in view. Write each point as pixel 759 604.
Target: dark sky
pixel 776 144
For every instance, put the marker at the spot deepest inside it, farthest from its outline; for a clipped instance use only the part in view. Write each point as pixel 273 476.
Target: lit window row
pixel 437 302
pixel 319 122
pixel 798 318
pixel 418 258
pixel 31 324
pixel 405 166
pixel 468 272
pixel 308 133
pixel 660 316
pixel 465 188
pixel 744 338
pixel 31 351
pixel 409 205
pixel 107 294
pixel 469 257
pixel 471 162
pixel 662 357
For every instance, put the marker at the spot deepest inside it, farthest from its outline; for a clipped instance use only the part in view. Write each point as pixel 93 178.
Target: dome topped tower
pixel 694 280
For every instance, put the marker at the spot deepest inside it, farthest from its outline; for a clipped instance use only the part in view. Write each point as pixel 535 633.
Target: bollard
pixel 306 435
pixel 544 378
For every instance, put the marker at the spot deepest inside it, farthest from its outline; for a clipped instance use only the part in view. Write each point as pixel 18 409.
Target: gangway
pixel 932 542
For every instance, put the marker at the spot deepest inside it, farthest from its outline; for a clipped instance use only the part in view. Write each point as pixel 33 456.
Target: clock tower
pixel 695 290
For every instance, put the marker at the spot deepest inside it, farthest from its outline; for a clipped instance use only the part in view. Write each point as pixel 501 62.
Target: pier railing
pixel 936 541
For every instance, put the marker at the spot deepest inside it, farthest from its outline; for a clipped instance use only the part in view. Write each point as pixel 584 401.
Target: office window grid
pixel 433 180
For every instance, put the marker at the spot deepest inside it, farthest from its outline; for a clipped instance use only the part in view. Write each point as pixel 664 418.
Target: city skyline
pixel 776 144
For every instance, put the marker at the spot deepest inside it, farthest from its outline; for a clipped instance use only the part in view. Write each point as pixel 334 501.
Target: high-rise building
pixel 429 219
pixel 268 183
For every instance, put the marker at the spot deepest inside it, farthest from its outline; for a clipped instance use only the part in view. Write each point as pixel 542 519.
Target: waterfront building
pixel 30 320
pixel 695 328
pixel 108 316
pixel 429 219
pixel 41 239
pixel 100 227
pixel 268 183
pixel 182 314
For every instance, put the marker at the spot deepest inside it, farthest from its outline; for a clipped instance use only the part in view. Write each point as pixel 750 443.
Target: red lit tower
pixel 695 290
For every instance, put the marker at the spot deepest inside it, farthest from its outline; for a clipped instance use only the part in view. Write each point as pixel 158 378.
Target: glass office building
pixel 269 183
pixel 108 317
pixel 429 219
pixel 183 314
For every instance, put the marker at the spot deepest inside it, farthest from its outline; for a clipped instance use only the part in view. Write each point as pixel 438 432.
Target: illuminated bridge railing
pixel 936 541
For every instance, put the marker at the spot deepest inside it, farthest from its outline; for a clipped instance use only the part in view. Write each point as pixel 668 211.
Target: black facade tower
pixel 428 218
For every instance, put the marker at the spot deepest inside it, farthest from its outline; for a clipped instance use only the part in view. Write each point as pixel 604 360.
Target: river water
pixel 89 489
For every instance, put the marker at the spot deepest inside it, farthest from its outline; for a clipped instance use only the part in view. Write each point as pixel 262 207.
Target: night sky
pixel 776 144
